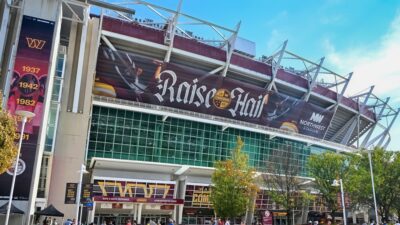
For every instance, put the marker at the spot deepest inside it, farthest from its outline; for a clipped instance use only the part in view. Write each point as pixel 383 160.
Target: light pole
pixel 335 184
pixel 373 186
pixel 25 115
pixel 78 197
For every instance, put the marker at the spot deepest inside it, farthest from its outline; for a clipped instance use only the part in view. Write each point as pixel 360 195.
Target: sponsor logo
pixel 35 43
pixel 20 168
pixel 222 99
pixel 316 117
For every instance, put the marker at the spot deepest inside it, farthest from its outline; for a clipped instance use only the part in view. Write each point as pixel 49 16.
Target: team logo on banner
pixel 35 43
pixel 222 99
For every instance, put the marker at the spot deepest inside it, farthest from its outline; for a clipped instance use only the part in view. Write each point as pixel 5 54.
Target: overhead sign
pixel 138 200
pixel 70 193
pixel 133 189
pixel 131 77
pixel 27 91
pixel 198 196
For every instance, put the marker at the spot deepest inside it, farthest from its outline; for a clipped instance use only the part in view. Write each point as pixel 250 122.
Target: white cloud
pixel 379 66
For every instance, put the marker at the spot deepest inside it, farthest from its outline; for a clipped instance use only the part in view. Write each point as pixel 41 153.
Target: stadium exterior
pixel 147 105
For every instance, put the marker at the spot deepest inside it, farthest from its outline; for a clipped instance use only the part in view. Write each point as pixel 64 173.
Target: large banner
pixel 27 90
pixel 131 77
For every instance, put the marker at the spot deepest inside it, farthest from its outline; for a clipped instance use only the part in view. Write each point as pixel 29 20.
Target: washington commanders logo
pixel 35 43
pixel 222 99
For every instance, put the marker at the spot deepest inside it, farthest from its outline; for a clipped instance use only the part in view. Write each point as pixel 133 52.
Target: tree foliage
pixel 325 168
pixel 284 185
pixel 8 149
pixel 233 184
pixel 386 170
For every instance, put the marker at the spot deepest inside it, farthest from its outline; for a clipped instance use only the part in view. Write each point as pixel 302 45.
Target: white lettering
pixel 316 117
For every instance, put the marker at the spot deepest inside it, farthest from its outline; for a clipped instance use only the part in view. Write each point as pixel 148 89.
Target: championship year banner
pixel 27 91
pixel 125 75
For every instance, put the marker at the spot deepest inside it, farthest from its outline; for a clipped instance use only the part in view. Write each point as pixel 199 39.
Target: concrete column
pixel 354 216
pixel 139 213
pixel 71 140
pixel 92 213
pixel 135 210
pixel 180 193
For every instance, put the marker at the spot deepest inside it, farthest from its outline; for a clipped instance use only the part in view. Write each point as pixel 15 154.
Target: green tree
pixel 8 149
pixel 386 170
pixel 234 184
pixel 285 187
pixel 325 168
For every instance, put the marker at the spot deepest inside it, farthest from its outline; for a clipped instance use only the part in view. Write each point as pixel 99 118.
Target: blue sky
pixel 360 36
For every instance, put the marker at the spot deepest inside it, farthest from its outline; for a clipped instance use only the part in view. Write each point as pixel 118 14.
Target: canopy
pixel 14 210
pixel 50 211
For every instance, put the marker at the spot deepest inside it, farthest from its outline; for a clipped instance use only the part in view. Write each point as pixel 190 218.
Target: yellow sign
pixel 201 197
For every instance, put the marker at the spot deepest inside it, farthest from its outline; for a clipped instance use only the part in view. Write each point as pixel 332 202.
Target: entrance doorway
pixel 114 219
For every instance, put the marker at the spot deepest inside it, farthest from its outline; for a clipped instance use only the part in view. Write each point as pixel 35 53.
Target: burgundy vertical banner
pixel 266 217
pixel 27 91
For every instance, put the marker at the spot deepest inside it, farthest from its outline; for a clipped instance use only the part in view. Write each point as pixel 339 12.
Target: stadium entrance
pixel 120 213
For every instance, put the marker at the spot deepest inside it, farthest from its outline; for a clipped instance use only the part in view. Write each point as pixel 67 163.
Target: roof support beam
pixel 275 67
pixel 170 33
pixel 313 81
pixel 229 49
pixel 381 137
pixel 346 84
pixel 388 128
pixel 366 139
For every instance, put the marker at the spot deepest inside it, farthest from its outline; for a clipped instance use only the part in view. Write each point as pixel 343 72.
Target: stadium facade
pixel 147 104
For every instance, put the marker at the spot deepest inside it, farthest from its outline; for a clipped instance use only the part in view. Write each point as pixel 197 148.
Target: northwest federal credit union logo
pixel 35 43
pixel 222 99
pixel 316 117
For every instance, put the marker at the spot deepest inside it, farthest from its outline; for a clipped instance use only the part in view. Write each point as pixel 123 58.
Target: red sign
pixel 139 200
pixel 266 217
pixel 346 200
pixel 27 92
pixel 125 75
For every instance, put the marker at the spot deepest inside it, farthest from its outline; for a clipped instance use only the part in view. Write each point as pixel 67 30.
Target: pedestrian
pixel 128 222
pixel 227 222
pixel 397 223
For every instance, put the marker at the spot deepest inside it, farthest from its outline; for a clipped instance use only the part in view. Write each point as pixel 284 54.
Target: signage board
pixel 70 193
pixel 131 77
pixel 86 194
pixel 266 216
pixel 27 91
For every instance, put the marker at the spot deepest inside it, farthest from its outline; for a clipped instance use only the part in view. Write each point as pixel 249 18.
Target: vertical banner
pixel 87 193
pixel 266 217
pixel 27 91
pixel 70 193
